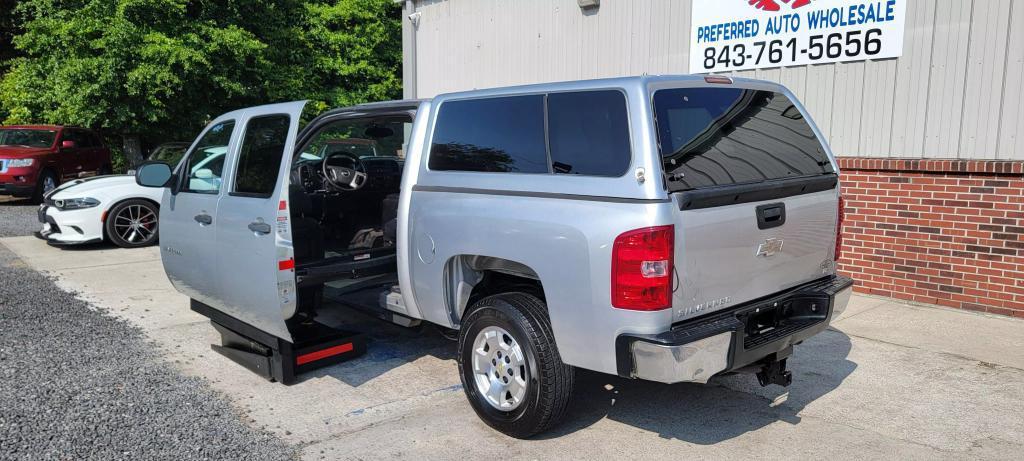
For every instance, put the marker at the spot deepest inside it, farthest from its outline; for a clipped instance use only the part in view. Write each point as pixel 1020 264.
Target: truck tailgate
pixel 723 258
pixel 756 194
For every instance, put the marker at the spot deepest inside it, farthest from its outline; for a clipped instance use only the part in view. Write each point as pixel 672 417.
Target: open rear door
pixel 254 244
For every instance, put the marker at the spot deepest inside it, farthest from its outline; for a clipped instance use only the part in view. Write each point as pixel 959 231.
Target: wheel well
pixel 496 282
pixel 51 169
pixel 473 277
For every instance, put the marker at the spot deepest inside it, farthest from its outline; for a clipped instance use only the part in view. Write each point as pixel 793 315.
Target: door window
pixel 205 164
pixel 259 159
pixel 94 139
pixel 83 139
pixel 75 136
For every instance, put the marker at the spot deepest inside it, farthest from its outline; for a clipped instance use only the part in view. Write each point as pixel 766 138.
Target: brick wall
pixel 947 232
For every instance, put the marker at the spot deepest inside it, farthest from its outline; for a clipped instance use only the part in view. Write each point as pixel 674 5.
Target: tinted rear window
pixel 589 133
pixel 496 134
pixel 723 136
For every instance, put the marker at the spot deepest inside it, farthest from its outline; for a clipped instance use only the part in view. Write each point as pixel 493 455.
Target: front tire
pixel 510 368
pixel 133 223
pixel 47 181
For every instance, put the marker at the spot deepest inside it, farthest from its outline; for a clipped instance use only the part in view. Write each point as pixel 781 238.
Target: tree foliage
pixel 9 27
pixel 162 68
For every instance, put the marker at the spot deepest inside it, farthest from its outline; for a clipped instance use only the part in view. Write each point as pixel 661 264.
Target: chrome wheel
pixel 49 184
pixel 135 224
pixel 499 368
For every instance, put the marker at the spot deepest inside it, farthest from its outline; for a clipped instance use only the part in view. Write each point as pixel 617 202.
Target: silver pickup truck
pixel 667 228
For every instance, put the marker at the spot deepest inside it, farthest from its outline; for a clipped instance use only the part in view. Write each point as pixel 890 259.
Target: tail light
pixel 839 228
pixel 642 269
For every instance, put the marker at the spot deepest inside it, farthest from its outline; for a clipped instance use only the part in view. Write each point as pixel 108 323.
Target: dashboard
pixel 383 174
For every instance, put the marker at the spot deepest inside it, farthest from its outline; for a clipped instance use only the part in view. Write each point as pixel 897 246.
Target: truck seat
pixel 389 217
pixel 307 237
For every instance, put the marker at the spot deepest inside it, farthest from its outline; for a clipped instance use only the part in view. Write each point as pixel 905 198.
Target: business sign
pixel 730 35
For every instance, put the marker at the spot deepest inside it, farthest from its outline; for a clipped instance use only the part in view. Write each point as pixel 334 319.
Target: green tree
pixel 161 69
pixel 9 27
pixel 356 51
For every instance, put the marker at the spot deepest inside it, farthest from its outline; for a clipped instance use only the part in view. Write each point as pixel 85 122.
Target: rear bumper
pixel 700 348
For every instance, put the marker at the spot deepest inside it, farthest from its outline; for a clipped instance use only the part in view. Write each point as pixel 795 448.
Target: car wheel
pixel 47 181
pixel 510 368
pixel 133 223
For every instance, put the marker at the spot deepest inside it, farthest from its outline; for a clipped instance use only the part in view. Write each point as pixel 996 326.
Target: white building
pixel 923 100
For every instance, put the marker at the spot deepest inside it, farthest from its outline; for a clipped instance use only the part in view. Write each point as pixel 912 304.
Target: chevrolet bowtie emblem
pixel 769 247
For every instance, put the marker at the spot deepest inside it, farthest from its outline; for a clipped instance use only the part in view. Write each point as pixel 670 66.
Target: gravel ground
pixel 17 217
pixel 80 384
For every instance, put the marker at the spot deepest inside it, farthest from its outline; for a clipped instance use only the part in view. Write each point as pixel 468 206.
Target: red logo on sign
pixel 773 5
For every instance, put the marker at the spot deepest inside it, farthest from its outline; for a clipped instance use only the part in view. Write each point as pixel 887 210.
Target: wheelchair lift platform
pixel 316 345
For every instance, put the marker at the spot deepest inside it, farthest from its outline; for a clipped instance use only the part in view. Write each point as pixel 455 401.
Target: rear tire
pixel 133 223
pixel 519 322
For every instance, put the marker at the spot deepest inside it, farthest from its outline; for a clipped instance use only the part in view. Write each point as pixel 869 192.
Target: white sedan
pixel 115 208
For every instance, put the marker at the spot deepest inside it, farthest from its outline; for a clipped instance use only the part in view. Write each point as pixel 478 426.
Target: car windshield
pixel 356 146
pixel 171 154
pixel 361 138
pixel 27 138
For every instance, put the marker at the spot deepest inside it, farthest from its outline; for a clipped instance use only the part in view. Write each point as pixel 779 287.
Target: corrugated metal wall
pixel 957 92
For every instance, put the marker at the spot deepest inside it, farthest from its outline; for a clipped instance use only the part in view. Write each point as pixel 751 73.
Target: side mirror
pixel 203 173
pixel 154 174
pixel 67 144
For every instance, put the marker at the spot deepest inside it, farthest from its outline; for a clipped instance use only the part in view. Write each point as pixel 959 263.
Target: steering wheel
pixel 344 171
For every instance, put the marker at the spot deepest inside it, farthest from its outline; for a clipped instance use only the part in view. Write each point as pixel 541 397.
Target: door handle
pixel 771 215
pixel 259 227
pixel 204 219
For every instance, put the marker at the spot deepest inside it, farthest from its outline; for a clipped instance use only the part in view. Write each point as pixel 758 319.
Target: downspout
pixel 409 23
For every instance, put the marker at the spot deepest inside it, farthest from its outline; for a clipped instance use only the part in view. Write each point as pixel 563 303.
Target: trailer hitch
pixel 775 373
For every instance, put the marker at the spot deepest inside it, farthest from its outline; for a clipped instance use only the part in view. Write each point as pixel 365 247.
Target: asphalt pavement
pixel 79 383
pixel 17 217
pixel 886 381
pixel 101 359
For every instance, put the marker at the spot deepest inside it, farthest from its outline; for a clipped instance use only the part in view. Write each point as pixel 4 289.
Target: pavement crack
pixel 931 351
pixel 876 306
pixel 75 268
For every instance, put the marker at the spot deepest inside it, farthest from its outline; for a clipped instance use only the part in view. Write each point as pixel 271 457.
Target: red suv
pixel 34 159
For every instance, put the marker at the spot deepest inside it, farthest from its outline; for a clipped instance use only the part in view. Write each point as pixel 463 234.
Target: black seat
pixel 389 217
pixel 307 237
pixel 308 244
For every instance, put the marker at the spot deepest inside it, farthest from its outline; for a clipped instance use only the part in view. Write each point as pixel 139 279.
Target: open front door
pixel 255 259
pixel 188 237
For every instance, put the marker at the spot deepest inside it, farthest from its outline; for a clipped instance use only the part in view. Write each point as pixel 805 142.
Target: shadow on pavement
pixel 15 201
pixel 104 245
pixel 388 347
pixel 727 407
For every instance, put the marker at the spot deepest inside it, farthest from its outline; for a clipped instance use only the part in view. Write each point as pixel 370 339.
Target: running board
pixel 316 345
